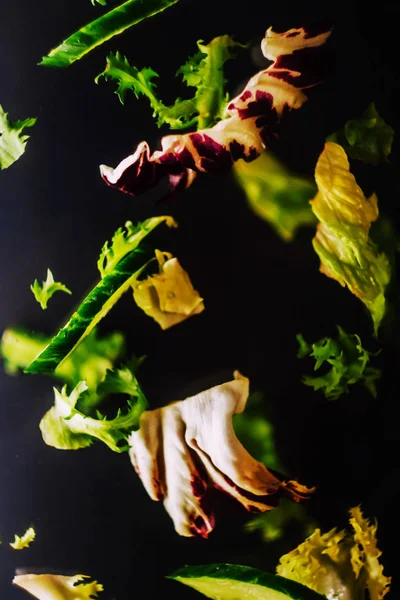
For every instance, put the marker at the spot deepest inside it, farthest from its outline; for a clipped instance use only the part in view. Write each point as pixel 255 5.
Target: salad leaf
pixel 25 540
pixel 275 194
pixel 89 361
pixel 102 29
pixel 251 120
pixel 126 240
pixel 349 364
pixel 204 71
pixel 65 427
pixel 58 587
pixel 12 139
pixel 237 582
pixel 44 292
pixel 102 2
pixel 122 264
pixel 339 563
pixel 140 82
pixel 274 524
pixel 168 296
pixel 342 240
pixel 368 138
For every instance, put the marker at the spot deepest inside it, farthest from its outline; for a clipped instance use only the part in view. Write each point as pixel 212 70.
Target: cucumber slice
pixel 102 29
pixel 93 308
pixel 237 582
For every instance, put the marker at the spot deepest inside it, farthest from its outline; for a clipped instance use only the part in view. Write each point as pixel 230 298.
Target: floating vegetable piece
pixel 173 440
pixel 58 587
pixel 67 428
pixel 25 540
pixel 169 296
pixel 121 264
pixel 368 138
pixel 275 194
pixel 237 582
pixel 12 139
pixel 44 292
pixel 342 240
pixel 251 119
pixel 102 29
pixel 339 564
pixel 349 364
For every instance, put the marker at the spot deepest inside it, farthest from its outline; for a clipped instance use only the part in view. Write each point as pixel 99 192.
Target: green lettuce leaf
pixel 23 541
pixel 66 427
pixel 273 525
pixel 275 194
pixel 140 82
pixel 121 264
pixel 368 138
pixel 204 71
pixel 44 292
pixel 102 29
pixel 12 139
pixel 349 364
pixel 342 241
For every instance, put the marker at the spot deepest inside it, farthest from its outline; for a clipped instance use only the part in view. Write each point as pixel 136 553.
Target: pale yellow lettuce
pixel 23 541
pixel 58 587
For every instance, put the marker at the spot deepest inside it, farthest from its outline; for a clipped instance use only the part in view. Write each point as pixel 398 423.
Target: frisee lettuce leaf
pixel 66 427
pixel 48 586
pixel 342 241
pixel 13 140
pixel 275 194
pixel 25 540
pixel 204 71
pixel 348 360
pixel 140 82
pixel 126 240
pixel 121 264
pixel 45 291
pixel 102 29
pixel 367 138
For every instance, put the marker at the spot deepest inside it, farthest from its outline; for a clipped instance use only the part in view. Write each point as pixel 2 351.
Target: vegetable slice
pixel 237 582
pixel 118 278
pixel 102 29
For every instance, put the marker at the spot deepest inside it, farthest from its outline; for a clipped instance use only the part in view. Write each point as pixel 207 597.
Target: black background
pixel 88 507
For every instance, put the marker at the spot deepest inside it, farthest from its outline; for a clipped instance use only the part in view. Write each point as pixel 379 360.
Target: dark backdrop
pixel 89 509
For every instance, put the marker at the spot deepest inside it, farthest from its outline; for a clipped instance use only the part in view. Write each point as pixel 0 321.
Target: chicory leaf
pixel 57 587
pixel 44 292
pixel 25 540
pixel 12 139
pixel 342 241
pixel 102 29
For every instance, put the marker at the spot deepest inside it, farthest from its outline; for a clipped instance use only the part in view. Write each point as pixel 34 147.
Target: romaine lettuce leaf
pixel 58 587
pixel 121 264
pixel 66 427
pixel 44 292
pixel 12 139
pixel 275 194
pixel 25 540
pixel 102 29
pixel 168 296
pixel 368 138
pixel 342 241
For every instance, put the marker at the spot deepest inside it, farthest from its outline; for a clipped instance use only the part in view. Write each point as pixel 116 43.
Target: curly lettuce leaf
pixel 204 71
pixel 45 291
pixel 339 563
pixel 102 29
pixel 168 296
pixel 126 240
pixel 368 138
pixel 121 264
pixel 275 194
pixel 349 364
pixel 66 427
pixel 24 541
pixel 342 241
pixel 13 140
pixel 140 82
pixel 58 587
pixel 365 555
